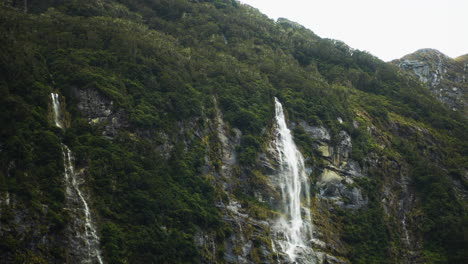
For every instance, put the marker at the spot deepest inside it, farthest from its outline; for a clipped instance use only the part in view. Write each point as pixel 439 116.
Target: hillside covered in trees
pixel 158 117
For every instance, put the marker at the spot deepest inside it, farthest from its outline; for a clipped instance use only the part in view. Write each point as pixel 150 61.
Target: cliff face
pixel 445 77
pixel 149 132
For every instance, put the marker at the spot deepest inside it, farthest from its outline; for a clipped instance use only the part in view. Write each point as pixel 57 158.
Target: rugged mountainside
pixel 445 77
pixel 137 131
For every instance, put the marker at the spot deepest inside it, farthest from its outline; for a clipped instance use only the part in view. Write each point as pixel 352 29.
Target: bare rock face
pixel 444 77
pixel 100 110
pixel 316 132
pixel 239 245
pixel 343 149
pixel 248 239
pixel 336 181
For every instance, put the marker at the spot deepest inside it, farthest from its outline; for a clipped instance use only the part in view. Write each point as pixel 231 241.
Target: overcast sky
pixel 389 29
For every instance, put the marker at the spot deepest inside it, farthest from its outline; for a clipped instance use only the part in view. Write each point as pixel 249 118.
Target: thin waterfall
pixel 293 228
pixel 75 197
pixel 74 193
pixel 56 107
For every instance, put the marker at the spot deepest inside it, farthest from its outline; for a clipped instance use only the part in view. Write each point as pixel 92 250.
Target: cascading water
pixel 293 229
pixel 56 106
pixel 74 194
pixel 88 244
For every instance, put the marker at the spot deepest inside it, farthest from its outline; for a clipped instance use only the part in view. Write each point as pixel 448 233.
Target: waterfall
pixel 56 106
pixel 74 194
pixel 85 230
pixel 293 229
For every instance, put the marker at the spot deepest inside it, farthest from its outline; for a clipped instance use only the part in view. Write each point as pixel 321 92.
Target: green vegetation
pixel 161 63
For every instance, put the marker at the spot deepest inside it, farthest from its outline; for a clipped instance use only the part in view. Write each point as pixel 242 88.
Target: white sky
pixel 388 29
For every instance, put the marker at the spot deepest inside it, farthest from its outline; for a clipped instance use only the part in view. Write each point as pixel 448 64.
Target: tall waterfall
pixel 86 241
pixel 75 196
pixel 293 229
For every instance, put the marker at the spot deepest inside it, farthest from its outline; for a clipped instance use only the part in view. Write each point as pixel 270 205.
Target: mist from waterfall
pixel 293 229
pixel 89 244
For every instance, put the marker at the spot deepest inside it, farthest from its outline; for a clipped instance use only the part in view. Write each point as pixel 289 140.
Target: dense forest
pixel 145 87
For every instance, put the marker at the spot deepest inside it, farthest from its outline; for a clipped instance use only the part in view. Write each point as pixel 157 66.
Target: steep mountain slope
pixel 155 123
pixel 445 77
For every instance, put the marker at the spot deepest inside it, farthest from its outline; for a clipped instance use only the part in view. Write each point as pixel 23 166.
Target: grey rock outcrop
pixel 316 132
pixel 343 149
pixel 101 111
pixel 239 246
pixel 247 242
pixel 336 181
pixel 444 77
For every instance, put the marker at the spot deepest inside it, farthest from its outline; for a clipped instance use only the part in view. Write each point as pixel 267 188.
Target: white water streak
pixel 295 223
pixel 73 193
pixel 56 106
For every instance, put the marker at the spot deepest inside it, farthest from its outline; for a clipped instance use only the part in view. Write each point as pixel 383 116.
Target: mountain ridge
pixel 168 107
pixel 443 76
